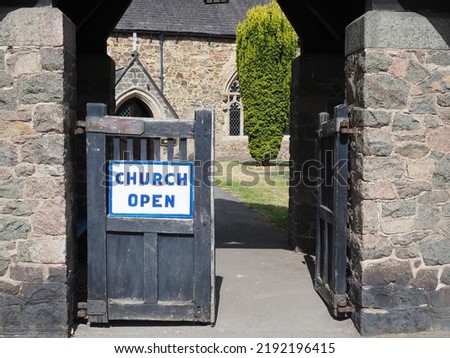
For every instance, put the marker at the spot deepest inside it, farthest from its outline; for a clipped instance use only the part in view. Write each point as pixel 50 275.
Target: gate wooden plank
pixel 151 267
pixel 157 149
pixel 170 145
pixel 141 126
pixel 204 269
pixel 96 226
pixel 175 268
pixel 166 226
pixel 155 312
pixel 125 275
pixel 169 128
pixel 183 149
pixel 340 197
pixel 144 150
pixel 130 148
pixel 116 148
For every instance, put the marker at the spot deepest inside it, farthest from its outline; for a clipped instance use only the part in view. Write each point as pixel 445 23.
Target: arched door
pixel 134 107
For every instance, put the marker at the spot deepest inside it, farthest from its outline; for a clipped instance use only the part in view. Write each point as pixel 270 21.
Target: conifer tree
pixel 265 47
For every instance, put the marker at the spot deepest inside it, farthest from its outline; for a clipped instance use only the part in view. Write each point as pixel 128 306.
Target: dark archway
pixel 134 107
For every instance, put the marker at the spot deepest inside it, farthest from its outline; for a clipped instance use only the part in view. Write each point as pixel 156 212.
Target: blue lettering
pixel 170 175
pixel 170 201
pixel 144 180
pixel 132 200
pixel 156 201
pixel 131 178
pixel 145 199
pixel 157 179
pixel 182 179
pixel 118 179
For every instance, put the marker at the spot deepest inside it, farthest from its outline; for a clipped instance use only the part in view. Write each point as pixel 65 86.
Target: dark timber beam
pixel 409 5
pixel 323 21
pixel 79 11
pixel 321 24
pixel 25 3
pixel 94 31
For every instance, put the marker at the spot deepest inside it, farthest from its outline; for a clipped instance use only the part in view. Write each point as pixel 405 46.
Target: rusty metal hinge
pixel 82 310
pixel 345 306
pixel 345 128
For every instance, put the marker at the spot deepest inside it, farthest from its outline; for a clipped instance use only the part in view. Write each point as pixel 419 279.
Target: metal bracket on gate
pixel 96 307
pixel 115 125
pixel 345 307
pixel 345 128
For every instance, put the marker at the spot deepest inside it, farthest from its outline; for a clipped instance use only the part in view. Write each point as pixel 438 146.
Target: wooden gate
pixel 157 265
pixel 331 230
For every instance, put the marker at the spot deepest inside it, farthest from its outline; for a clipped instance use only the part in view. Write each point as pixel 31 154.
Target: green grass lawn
pixel 265 189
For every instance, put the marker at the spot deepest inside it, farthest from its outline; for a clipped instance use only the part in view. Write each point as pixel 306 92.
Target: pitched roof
pixel 150 85
pixel 191 17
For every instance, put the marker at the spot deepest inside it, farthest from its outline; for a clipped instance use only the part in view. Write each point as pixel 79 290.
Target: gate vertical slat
pixel 183 149
pixel 157 149
pixel 321 248
pixel 340 195
pixel 204 280
pixel 96 226
pixel 151 269
pixel 170 144
pixel 143 143
pixel 130 148
pixel 116 148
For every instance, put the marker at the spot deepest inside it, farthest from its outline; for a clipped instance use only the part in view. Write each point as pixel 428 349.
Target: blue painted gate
pixel 155 265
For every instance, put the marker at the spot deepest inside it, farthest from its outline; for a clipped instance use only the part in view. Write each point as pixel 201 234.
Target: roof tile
pixel 186 17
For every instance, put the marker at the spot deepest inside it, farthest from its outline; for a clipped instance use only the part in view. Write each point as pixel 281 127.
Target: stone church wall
pixel 196 72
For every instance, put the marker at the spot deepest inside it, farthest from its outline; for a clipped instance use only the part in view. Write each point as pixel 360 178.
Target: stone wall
pixel 398 90
pixel 317 86
pixel 196 72
pixel 37 97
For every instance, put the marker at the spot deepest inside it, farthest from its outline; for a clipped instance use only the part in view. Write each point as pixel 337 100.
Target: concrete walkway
pixel 265 288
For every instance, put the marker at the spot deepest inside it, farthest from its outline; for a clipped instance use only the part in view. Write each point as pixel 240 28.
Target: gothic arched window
pixel 235 111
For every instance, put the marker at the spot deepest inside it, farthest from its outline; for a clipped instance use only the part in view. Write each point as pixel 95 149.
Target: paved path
pixel 265 288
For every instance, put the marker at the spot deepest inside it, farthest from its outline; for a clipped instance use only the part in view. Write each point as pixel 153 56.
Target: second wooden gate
pixel 157 266
pixel 331 231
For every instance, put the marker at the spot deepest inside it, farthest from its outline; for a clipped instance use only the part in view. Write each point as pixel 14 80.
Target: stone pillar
pixel 37 101
pixel 398 91
pixel 317 86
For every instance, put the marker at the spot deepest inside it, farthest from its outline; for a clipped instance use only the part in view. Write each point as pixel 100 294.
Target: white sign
pixel 151 189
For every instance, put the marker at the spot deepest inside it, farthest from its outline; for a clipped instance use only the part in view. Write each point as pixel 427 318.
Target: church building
pixel 172 59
